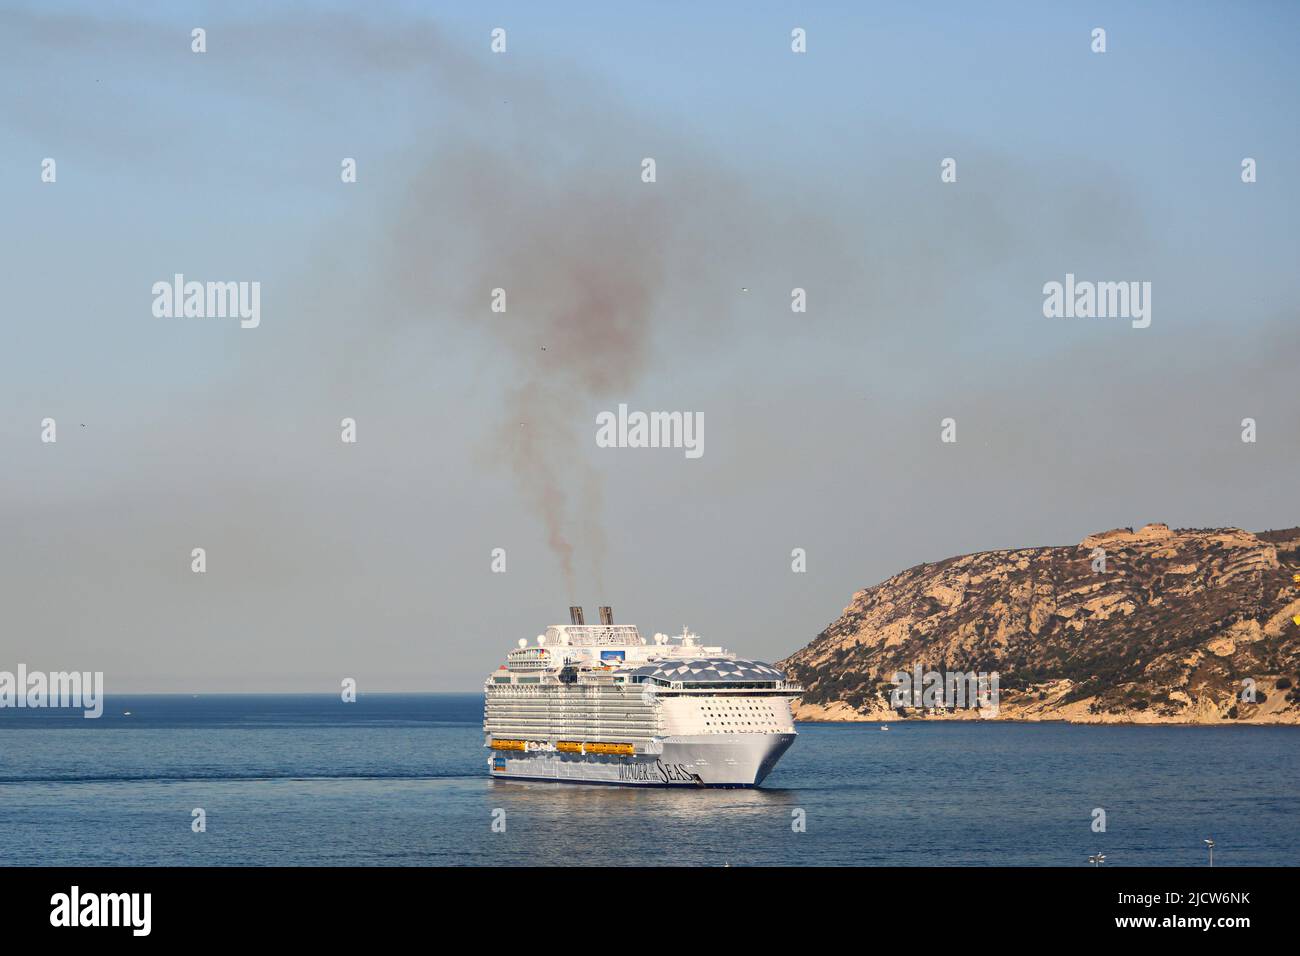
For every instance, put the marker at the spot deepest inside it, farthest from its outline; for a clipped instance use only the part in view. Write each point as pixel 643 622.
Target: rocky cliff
pixel 1165 630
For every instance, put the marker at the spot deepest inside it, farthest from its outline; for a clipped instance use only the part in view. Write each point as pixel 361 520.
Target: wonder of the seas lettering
pixel 661 772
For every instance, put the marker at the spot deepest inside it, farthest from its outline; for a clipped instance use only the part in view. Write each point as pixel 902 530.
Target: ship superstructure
pixel 598 703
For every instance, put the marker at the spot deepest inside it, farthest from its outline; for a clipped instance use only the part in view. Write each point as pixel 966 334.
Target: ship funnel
pixel 606 615
pixel 575 615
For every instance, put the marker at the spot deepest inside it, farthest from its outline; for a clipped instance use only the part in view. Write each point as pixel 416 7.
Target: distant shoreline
pixel 1071 723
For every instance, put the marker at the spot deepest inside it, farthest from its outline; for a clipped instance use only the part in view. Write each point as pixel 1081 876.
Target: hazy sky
pixel 522 170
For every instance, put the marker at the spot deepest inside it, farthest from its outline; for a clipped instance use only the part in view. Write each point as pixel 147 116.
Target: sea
pixel 401 780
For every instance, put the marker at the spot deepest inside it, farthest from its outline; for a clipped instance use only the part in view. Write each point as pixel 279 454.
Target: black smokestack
pixel 606 615
pixel 575 615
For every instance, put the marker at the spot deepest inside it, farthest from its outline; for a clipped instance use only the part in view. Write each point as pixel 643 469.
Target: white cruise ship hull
pixel 706 760
pixel 600 704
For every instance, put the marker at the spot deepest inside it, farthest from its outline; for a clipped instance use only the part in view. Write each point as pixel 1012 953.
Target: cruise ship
pixel 599 704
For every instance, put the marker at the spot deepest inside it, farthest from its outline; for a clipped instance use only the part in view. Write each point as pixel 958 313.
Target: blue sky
pixel 775 170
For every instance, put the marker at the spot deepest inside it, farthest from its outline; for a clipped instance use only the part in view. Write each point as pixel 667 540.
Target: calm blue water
pixel 401 779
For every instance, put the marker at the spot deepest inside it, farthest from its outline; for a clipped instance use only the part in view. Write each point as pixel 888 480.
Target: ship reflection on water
pixel 681 804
